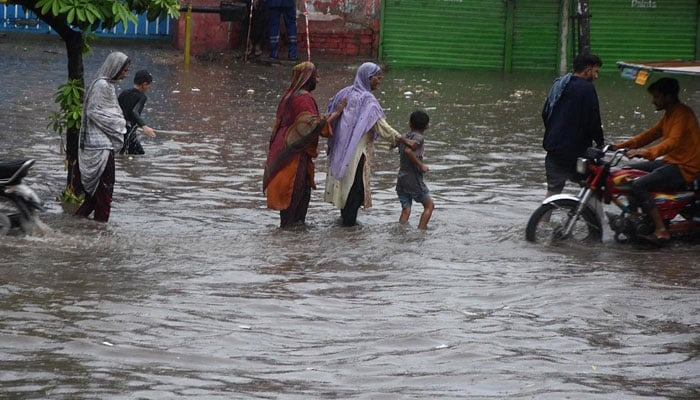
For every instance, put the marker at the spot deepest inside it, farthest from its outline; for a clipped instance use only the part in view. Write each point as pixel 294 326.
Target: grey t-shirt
pixel 410 179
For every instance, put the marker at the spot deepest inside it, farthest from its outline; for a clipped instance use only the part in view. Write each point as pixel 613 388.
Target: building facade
pixel 503 35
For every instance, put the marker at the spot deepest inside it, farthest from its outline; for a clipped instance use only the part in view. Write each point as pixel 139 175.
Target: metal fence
pixel 13 18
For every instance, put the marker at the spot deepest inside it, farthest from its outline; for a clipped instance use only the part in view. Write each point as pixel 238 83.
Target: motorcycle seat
pixel 13 171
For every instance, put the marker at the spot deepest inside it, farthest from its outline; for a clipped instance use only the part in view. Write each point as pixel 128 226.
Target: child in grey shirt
pixel 409 184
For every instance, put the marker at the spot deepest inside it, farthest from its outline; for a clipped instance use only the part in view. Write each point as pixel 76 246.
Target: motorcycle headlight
pixel 581 165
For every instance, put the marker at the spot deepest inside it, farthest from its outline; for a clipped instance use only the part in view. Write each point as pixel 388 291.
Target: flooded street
pixel 192 291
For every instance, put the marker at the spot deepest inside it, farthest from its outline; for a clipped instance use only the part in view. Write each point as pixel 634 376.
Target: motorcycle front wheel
pixel 548 223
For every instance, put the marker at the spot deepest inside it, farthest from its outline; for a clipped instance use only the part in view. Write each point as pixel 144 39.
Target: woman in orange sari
pixel 289 170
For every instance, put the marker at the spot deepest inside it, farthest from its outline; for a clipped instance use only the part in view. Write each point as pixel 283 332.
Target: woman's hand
pixel 337 110
pixel 412 144
pixel 341 105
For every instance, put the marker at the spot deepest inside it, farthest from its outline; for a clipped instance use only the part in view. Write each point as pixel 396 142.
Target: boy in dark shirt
pixel 409 184
pixel 132 102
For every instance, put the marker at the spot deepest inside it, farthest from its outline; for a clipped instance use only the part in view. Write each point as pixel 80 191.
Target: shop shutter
pixel 443 33
pixel 536 35
pixel 643 30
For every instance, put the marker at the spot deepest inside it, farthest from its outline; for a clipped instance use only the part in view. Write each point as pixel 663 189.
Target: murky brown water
pixel 191 290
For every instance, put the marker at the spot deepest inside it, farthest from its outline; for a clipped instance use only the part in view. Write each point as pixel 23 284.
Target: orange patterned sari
pixel 294 142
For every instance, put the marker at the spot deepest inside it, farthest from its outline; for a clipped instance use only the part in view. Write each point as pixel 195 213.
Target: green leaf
pixel 71 16
pixel 90 16
pixel 89 7
pixel 81 14
pixel 55 8
pixel 45 9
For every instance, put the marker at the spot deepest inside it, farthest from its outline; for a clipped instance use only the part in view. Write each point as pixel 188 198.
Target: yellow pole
pixel 188 31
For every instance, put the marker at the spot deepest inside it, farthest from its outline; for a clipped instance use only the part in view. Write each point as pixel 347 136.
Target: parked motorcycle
pixel 25 201
pixel 580 217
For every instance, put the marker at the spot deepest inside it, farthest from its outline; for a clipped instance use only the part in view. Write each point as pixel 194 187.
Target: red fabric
pixel 284 117
pixel 298 134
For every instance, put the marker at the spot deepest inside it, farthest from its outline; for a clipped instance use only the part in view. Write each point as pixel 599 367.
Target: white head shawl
pixel 106 124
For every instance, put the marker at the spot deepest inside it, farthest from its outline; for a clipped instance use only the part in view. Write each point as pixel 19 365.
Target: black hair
pixel 419 120
pixel 142 76
pixel 585 60
pixel 665 86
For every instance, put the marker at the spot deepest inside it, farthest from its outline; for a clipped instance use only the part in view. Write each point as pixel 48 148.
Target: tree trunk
pixel 74 48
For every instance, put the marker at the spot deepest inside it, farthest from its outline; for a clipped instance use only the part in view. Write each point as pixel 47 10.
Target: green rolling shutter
pixel 536 35
pixel 643 30
pixel 443 33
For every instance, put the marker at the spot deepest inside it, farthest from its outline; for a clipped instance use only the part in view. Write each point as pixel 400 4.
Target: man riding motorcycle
pixel 679 145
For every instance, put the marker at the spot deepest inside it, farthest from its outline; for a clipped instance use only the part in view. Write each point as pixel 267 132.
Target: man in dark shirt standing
pixel 571 116
pixel 132 102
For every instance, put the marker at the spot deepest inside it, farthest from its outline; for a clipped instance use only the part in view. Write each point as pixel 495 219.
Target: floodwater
pixel 192 291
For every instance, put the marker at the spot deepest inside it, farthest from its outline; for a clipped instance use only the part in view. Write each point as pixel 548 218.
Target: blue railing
pixel 14 18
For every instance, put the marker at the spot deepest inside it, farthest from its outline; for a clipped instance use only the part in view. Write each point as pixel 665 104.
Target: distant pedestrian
pixel 351 148
pixel 255 30
pixel 571 117
pixel 289 170
pixel 132 102
pixel 101 132
pixel 409 183
pixel 288 10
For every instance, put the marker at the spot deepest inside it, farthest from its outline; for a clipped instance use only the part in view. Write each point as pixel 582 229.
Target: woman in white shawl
pixel 101 132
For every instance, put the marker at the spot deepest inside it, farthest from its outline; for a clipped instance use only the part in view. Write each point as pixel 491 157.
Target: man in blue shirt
pixel 571 116
pixel 288 10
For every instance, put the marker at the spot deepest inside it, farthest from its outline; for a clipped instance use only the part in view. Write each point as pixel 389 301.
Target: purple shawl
pixel 359 116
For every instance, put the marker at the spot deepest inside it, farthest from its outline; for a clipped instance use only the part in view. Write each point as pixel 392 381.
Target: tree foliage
pixel 68 97
pixel 89 15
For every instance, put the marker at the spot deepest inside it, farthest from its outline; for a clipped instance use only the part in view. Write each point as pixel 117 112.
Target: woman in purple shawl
pixel 350 149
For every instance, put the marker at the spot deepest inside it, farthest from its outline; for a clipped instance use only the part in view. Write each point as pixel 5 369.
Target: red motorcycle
pixel 568 217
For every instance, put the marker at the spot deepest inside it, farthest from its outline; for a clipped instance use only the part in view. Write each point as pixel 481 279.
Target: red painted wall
pixel 336 27
pixel 208 33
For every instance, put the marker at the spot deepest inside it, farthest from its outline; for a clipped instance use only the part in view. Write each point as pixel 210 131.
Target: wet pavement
pixel 191 290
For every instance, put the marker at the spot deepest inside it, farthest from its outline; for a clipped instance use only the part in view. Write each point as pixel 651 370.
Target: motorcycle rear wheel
pixel 548 222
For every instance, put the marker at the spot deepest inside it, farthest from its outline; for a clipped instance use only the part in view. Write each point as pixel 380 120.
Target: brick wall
pixel 348 28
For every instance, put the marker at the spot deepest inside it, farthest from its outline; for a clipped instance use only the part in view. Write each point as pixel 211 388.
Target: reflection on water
pixel 191 290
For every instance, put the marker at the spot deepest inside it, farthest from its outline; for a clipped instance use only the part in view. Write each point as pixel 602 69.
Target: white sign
pixel 642 3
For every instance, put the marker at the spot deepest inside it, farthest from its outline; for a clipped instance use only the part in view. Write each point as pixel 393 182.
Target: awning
pixel 640 71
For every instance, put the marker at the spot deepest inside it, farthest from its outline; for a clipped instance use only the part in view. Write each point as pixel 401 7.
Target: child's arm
pixel 415 160
pixel 140 121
